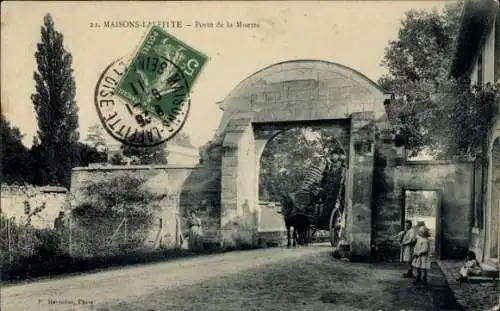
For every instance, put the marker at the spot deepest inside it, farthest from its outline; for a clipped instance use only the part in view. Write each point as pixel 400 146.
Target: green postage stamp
pixel 160 75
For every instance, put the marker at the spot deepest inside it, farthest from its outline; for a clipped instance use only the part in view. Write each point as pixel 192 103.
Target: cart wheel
pixel 335 229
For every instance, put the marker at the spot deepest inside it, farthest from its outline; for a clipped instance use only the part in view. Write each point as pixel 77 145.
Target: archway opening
pixel 310 163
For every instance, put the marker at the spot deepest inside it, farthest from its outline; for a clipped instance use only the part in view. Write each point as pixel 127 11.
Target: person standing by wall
pixel 194 223
pixel 59 223
pixel 407 241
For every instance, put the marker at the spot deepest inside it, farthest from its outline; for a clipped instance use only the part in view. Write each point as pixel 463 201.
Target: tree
pixel 418 63
pixel 14 155
pixel 55 107
pixel 289 156
pixel 84 154
pixel 147 155
pixel 435 112
pixel 111 201
pixel 96 136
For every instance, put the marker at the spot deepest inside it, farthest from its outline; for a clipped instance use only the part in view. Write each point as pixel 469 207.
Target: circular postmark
pixel 135 124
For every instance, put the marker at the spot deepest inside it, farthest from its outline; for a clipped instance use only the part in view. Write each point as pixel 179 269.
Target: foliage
pixel 418 63
pixel 117 159
pixel 49 245
pixel 182 139
pixel 120 196
pixel 147 155
pixel 84 154
pixel 461 121
pixel 287 158
pixel 80 155
pixel 14 155
pixel 55 107
pixel 96 136
pixel 424 48
pixel 108 203
pixel 435 112
pixel 26 242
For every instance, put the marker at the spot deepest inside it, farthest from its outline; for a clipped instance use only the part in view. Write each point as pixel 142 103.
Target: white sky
pixel 351 33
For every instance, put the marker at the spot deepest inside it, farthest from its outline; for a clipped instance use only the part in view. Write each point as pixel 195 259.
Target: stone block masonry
pixel 359 188
pixel 454 181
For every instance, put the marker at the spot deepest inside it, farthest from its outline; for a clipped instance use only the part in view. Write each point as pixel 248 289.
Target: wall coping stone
pixel 134 167
pixel 436 162
pixel 29 187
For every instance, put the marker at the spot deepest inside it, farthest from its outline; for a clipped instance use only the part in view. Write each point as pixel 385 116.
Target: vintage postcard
pixel 250 155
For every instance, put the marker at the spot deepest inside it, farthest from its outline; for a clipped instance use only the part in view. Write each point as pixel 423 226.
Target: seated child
pixel 471 267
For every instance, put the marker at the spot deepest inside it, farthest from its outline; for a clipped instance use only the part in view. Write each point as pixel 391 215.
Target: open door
pixel 425 205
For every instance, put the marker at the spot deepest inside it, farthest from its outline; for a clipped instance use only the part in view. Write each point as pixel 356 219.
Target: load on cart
pixel 318 204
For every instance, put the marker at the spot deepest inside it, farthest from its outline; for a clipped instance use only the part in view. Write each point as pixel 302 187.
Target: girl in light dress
pixel 421 259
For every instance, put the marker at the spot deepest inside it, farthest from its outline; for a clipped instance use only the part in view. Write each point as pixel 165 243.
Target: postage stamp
pixel 128 123
pixel 160 75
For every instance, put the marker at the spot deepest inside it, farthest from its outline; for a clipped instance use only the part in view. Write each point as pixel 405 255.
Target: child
pixel 407 241
pixel 421 260
pixel 471 267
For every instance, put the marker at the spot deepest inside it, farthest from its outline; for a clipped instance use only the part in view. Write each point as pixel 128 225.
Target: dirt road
pixel 94 291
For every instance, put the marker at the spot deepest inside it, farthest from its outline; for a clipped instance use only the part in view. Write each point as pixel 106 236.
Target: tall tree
pixel 14 155
pixel 435 112
pixel 418 62
pixel 55 106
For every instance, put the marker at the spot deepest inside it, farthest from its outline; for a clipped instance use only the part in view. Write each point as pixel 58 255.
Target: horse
pixel 299 222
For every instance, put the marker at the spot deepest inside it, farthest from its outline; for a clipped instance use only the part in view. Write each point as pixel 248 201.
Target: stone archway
pixel 295 92
pixel 298 147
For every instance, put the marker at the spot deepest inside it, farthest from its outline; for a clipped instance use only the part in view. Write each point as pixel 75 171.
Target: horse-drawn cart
pixel 322 199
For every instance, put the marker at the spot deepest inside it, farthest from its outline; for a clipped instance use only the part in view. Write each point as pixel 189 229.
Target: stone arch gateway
pixel 285 95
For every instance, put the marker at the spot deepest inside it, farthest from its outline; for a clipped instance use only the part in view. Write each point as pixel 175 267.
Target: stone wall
pixel 455 182
pixel 204 185
pixel 55 199
pixel 487 206
pixel 164 181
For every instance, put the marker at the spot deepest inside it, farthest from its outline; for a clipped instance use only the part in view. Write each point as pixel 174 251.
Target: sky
pixel 351 33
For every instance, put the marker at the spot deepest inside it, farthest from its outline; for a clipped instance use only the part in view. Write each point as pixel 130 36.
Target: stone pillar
pixel 386 205
pixel 237 184
pixel 259 148
pixel 359 199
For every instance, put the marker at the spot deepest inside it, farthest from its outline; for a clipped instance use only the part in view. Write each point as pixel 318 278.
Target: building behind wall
pixel 176 154
pixel 478 56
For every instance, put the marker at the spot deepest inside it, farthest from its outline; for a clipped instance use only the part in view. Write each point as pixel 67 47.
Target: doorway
pixel 425 205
